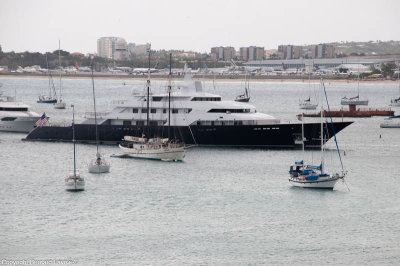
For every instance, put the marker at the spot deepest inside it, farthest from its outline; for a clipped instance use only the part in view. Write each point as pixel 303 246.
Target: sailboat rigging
pixel 99 164
pixel 52 96
pixel 246 96
pixel 356 99
pixel 310 176
pixel 59 104
pixel 74 182
pixel 307 104
pixel 396 101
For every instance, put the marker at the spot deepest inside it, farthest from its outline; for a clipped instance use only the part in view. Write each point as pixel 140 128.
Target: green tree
pixel 388 69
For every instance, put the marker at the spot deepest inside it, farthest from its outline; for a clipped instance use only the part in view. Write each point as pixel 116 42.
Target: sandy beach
pixel 202 77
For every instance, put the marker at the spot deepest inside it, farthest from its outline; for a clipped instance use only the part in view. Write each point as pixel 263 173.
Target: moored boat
pixel 310 176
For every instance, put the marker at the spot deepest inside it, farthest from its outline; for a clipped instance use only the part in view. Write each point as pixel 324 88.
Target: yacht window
pixel 144 110
pixel 174 111
pixel 229 111
pixel 157 99
pixel 217 99
pixel 153 111
pixel 153 123
pixel 135 110
pixel 127 123
pixel 140 123
pixel 164 111
pixel 188 110
pixel 13 109
pixel 8 118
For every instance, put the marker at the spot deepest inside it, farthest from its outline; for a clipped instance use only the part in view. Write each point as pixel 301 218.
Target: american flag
pixel 42 120
pixel 148 48
pixel 299 117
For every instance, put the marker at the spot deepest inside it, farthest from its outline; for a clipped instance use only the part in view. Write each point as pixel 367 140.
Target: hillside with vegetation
pixel 367 48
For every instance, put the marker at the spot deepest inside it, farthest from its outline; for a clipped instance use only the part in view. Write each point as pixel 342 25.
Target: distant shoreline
pixel 221 78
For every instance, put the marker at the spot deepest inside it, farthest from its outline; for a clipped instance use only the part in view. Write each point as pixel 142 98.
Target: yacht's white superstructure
pixel 15 116
pixel 190 105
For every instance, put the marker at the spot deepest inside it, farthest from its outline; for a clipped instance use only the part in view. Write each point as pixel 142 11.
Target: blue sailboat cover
pixel 299 162
pixel 316 167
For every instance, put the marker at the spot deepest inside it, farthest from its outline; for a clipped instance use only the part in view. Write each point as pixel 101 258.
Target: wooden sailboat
pixel 60 104
pixel 99 164
pixel 311 176
pixel 156 148
pixel 74 182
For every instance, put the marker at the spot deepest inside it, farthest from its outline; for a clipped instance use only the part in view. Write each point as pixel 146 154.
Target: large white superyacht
pixel 197 117
pixel 15 116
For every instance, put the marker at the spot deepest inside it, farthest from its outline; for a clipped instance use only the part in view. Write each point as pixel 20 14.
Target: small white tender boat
pixel 391 122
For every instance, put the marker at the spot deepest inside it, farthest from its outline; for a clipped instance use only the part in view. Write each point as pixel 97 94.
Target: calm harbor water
pixel 219 206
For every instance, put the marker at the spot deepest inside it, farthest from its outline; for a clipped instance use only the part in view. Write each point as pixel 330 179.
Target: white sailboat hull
pixel 327 183
pixel 164 154
pixel 74 183
pixel 59 105
pixel 98 169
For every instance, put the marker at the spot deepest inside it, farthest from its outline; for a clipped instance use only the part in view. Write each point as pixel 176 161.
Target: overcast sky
pixel 36 25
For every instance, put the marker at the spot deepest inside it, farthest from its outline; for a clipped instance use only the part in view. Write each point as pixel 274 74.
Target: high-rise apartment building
pixel 112 48
pixel 244 53
pixel 222 53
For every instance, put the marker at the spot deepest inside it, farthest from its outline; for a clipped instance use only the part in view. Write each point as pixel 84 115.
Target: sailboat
pixel 307 104
pixel 311 176
pixel 51 97
pixel 396 101
pixel 74 182
pixel 99 164
pixel 157 148
pixel 59 104
pixel 246 96
pixel 356 99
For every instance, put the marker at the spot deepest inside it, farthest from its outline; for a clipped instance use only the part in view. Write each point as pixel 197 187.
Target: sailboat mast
pixel 322 134
pixel 302 133
pixel 59 63
pixel 73 136
pixel 169 96
pixel 95 113
pixel 358 82
pixel 148 92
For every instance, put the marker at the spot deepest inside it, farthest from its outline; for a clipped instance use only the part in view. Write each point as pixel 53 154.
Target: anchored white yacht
pixel 197 117
pixel 15 116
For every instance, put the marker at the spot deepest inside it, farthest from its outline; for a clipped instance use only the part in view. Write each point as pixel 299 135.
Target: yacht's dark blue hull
pixel 272 136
